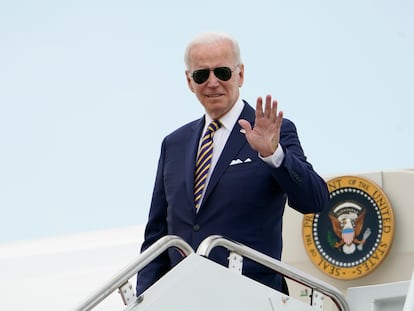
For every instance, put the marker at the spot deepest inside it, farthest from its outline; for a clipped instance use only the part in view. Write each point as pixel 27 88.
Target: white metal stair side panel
pixel 378 297
pixel 197 283
pixel 409 299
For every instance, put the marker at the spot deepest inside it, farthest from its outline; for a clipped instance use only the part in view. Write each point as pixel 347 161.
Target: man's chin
pixel 216 112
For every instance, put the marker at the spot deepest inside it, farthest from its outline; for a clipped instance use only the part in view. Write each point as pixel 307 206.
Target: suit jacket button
pixel 196 227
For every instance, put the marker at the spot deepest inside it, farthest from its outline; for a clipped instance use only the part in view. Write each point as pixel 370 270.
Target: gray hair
pixel 211 37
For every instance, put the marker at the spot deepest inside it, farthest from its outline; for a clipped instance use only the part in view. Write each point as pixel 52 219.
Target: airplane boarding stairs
pixel 198 283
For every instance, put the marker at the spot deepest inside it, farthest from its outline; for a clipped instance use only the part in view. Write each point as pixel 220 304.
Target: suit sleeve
pixel 156 228
pixel 307 192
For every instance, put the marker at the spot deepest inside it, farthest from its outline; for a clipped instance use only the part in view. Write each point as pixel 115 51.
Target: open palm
pixel 265 135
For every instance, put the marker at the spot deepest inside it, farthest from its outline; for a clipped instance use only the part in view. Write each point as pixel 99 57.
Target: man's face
pixel 217 96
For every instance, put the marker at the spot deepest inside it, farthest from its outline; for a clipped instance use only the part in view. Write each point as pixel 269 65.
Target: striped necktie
pixel 203 163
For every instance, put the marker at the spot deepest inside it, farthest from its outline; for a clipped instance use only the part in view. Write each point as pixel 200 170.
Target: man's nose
pixel 212 80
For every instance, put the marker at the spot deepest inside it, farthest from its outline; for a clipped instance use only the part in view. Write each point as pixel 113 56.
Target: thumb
pixel 245 125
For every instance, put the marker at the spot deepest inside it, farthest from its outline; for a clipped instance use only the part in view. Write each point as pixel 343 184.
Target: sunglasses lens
pixel 201 76
pixel 223 73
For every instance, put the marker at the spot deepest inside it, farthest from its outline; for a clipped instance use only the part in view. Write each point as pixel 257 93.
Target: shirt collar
pixel 230 118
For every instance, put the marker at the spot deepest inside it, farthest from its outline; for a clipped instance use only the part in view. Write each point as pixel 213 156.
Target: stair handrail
pixel 118 280
pixel 290 272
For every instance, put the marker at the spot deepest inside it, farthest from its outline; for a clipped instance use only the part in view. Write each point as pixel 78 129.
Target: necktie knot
pixel 214 126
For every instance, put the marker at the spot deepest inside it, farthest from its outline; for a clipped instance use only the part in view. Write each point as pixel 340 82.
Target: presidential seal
pixel 353 235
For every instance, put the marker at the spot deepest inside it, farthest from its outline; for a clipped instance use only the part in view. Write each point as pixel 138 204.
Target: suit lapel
pixel 234 143
pixel 191 149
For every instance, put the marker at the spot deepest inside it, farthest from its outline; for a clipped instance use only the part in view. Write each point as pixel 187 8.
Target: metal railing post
pixel 290 272
pixel 119 280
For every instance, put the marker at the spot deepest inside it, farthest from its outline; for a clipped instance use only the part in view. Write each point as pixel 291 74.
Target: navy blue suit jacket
pixel 243 202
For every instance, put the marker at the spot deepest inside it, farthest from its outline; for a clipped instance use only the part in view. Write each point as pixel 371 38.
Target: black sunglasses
pixel 222 73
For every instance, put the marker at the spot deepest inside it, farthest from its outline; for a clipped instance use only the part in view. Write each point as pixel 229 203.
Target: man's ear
pixel 241 74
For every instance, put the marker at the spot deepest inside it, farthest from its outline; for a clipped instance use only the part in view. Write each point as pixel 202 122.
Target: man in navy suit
pixel 257 165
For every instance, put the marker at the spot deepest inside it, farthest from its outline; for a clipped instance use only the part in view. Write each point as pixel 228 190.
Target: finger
pixel 279 119
pixel 259 107
pixel 273 112
pixel 268 106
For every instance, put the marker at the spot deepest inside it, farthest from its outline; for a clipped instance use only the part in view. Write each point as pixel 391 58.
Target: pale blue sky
pixel 88 89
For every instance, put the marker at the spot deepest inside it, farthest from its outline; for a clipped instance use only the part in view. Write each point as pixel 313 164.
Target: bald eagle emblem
pixel 347 221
